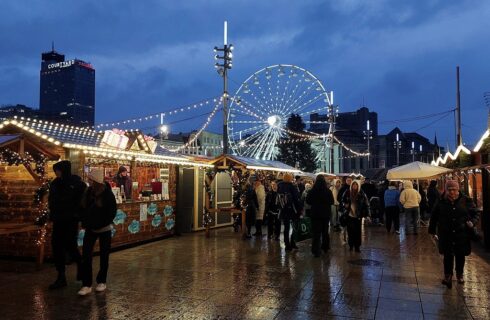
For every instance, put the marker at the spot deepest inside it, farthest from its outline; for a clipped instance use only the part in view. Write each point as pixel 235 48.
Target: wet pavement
pixel 224 277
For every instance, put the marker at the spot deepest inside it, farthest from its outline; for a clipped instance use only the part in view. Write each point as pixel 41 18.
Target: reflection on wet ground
pixel 224 277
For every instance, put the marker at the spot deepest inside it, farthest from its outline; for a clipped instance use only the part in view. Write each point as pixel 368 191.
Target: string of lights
pixel 159 114
pixel 208 121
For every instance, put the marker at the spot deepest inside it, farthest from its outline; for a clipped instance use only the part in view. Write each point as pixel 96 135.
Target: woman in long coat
pixel 453 218
pixel 356 206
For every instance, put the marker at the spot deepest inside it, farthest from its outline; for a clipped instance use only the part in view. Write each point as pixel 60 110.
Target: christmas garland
pixel 13 158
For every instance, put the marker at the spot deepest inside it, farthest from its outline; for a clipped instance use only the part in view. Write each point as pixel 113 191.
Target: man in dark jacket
pixel 321 200
pixel 291 207
pixel 64 200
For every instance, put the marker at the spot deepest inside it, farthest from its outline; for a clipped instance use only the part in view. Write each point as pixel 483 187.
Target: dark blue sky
pixel 151 56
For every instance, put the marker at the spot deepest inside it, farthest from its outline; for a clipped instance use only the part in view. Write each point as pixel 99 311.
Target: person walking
pixel 453 217
pixel 291 208
pixel 306 206
pixel 259 214
pixel 356 204
pixel 321 200
pixel 252 205
pixel 99 210
pixel 410 199
pixel 272 208
pixel 64 201
pixel 433 195
pixel 335 188
pixel 392 207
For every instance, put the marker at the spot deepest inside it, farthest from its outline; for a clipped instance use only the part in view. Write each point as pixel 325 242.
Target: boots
pixel 448 281
pixel 59 283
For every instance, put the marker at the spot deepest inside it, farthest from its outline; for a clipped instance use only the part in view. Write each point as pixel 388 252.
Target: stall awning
pixel 254 164
pixel 416 170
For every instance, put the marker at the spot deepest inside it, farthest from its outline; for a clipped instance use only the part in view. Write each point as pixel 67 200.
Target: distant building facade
pixel 409 147
pixel 351 129
pixel 67 90
pixel 206 144
pixel 19 111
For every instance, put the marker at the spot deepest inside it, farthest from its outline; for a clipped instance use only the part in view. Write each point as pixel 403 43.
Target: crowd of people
pixel 339 205
pixel 330 204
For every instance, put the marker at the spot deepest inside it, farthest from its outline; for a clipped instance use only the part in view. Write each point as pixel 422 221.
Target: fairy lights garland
pixel 13 158
pixel 160 114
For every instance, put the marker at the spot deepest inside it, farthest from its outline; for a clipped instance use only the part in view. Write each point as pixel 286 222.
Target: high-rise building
pixel 67 90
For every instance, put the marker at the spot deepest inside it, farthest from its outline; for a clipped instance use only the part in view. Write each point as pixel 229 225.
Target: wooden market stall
pixel 472 169
pixel 238 169
pixel 27 145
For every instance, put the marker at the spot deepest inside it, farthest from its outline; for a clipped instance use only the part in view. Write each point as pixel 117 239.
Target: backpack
pixel 285 201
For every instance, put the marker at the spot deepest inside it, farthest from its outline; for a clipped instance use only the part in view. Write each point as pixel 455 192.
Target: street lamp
pixel 368 135
pixel 397 145
pixel 420 151
pixel 413 151
pixel 223 63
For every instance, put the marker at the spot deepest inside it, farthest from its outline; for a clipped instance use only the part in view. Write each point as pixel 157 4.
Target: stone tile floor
pixel 224 277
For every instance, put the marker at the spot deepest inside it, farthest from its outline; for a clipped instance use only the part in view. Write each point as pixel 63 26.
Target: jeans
pixel 411 219
pixel 449 264
pixel 354 232
pixel 88 249
pixel 64 240
pixel 392 216
pixel 320 238
pixel 273 225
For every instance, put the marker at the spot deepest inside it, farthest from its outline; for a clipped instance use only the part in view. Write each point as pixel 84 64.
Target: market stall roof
pixel 416 170
pixel 253 164
pixel 89 141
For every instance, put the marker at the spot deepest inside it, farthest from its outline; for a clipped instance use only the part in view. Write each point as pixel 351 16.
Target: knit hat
pixel 451 184
pixel 97 175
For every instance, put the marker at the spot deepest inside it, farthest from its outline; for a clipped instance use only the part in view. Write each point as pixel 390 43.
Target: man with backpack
pixel 291 207
pixel 64 201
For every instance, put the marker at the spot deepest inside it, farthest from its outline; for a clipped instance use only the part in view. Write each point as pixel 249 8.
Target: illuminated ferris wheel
pixel 261 106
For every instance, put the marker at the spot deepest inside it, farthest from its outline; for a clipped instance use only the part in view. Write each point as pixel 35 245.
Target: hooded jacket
pixel 409 197
pixel 65 194
pixel 98 210
pixel 361 202
pixel 321 201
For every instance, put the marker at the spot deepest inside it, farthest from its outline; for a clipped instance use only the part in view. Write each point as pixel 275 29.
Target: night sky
pixel 399 57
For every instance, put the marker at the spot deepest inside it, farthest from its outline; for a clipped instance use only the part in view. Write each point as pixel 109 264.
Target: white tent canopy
pixel 416 170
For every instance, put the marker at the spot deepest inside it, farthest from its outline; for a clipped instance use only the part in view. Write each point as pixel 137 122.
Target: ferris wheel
pixel 261 106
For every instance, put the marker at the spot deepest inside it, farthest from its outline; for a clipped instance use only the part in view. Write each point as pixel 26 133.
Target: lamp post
pixel 397 145
pixel 368 135
pixel 222 65
pixel 413 151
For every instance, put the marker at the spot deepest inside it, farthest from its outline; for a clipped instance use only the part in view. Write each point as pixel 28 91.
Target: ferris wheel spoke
pixel 244 104
pixel 308 103
pixel 300 98
pixel 260 144
pixel 235 133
